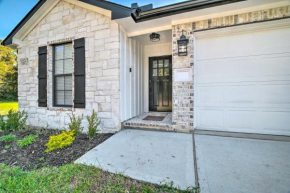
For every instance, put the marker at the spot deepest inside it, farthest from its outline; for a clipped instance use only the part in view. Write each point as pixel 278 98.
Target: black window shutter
pixel 42 78
pixel 79 73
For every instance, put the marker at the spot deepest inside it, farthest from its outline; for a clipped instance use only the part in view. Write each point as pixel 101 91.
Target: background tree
pixel 8 73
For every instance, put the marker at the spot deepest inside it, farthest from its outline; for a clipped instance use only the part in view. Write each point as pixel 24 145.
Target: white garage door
pixel 242 80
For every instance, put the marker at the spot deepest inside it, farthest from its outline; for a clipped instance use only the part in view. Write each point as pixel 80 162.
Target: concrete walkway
pixel 155 157
pixel 239 165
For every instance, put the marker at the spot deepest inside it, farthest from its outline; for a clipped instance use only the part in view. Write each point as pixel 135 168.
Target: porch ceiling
pixel 165 37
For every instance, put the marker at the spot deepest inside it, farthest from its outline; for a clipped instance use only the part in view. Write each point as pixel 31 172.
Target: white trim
pixel 232 12
pixel 149 31
pixel 267 25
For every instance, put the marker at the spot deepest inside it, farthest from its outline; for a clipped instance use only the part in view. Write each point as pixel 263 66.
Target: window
pixel 62 71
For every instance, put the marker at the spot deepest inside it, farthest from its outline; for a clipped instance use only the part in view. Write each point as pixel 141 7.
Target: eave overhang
pixel 139 15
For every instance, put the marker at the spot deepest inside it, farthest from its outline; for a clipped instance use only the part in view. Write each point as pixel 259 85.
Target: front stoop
pixel 138 122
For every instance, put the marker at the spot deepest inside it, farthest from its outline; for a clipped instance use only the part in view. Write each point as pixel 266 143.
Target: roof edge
pixel 8 39
pixel 177 9
pixel 117 12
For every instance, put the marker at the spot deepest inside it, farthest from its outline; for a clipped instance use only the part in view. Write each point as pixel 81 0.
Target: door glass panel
pixel 165 94
pixel 160 72
pixel 154 72
pixel 155 93
pixel 160 63
pixel 166 63
pixel 166 71
pixel 155 64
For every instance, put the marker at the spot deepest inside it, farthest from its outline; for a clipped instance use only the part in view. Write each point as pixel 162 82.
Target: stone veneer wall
pixel 66 22
pixel 183 92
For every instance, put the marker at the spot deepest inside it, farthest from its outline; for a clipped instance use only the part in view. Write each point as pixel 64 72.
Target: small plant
pixel 60 141
pixel 14 121
pixel 7 138
pixel 75 124
pixel 41 159
pixel 94 122
pixel 28 140
pixel 7 146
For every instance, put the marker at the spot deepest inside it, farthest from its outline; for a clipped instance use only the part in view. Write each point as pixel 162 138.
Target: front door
pixel 160 83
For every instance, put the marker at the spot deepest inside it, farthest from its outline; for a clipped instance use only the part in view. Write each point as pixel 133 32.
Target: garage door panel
pixel 277 121
pixel 209 118
pixel 210 96
pixel 241 119
pixel 275 95
pixel 213 48
pixel 247 45
pixel 210 71
pixel 242 82
pixel 241 96
pixel 275 67
pixel 274 42
pixel 236 70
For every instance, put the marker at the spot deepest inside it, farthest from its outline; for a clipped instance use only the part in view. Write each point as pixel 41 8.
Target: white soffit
pixel 165 23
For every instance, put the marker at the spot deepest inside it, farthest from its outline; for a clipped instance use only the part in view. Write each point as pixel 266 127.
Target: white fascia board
pixel 90 7
pixel 232 12
pixel 252 27
pixel 151 30
pixel 35 19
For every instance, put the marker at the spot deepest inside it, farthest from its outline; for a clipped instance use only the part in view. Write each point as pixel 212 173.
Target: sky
pixel 13 11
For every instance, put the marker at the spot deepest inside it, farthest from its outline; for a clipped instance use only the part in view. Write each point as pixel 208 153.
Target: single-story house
pixel 221 65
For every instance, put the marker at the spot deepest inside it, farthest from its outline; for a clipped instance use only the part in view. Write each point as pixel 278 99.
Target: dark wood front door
pixel 160 83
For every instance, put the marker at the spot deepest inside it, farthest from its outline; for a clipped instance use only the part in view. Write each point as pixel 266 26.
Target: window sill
pixel 56 108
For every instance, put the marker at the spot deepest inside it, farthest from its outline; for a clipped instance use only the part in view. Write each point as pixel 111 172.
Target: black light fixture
pixel 154 37
pixel 182 45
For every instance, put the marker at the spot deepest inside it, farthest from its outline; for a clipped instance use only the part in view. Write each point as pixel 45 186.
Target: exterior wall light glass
pixel 154 37
pixel 182 45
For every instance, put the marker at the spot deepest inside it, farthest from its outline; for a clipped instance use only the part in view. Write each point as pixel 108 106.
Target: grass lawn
pixel 72 178
pixel 5 106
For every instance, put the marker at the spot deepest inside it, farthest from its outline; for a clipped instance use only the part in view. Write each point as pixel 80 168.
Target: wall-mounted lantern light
pixel 154 37
pixel 182 45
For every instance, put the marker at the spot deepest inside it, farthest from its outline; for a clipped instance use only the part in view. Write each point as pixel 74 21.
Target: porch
pixel 146 81
pixel 151 120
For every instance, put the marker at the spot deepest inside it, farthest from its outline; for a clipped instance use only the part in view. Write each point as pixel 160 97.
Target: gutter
pixel 139 15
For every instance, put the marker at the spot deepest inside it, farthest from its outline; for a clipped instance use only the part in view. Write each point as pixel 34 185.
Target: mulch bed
pixel 33 156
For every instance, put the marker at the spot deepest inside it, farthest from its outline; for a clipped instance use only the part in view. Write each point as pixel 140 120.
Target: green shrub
pixel 60 141
pixel 75 124
pixel 7 138
pixel 28 140
pixel 7 146
pixel 94 122
pixel 15 120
